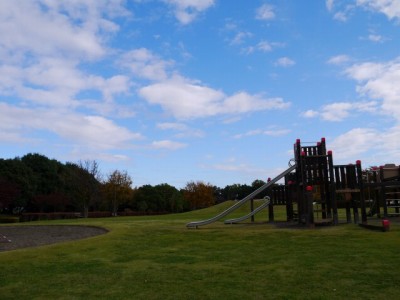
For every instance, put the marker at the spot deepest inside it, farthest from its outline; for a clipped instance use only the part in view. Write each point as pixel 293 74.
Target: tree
pixel 118 187
pixel 18 182
pixel 231 192
pixel 171 198
pixel 199 194
pixel 219 195
pixel 82 184
pixel 45 173
pixel 9 192
pixel 148 199
pixel 256 185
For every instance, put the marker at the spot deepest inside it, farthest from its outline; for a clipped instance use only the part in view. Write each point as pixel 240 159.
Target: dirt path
pixel 15 237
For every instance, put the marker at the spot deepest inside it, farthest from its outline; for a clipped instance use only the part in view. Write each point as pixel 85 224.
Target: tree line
pixel 35 183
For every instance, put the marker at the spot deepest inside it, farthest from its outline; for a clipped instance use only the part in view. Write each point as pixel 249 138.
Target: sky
pixel 218 91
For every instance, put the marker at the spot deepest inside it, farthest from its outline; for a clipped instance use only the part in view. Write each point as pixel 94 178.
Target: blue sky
pixel 212 90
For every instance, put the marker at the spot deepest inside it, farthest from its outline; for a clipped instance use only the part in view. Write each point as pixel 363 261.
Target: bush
pixel 27 217
pixel 99 214
pixel 9 219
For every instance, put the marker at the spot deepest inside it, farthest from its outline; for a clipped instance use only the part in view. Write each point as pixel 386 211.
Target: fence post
pixel 310 208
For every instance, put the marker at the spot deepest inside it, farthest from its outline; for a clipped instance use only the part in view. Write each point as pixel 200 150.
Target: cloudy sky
pixel 212 90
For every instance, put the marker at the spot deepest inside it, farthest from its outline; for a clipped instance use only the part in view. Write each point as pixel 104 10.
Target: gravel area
pixel 15 237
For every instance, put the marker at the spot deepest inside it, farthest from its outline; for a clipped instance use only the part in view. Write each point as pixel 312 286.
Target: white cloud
pixel 248 133
pixel 182 129
pixel 62 27
pixel 285 62
pixel 243 102
pixel 91 131
pixel 341 16
pixel 270 132
pixel 182 98
pixel 379 81
pixel 339 59
pixel 351 145
pixel 338 111
pixel 167 144
pixel 390 145
pixel 240 37
pixel 262 46
pixel 376 38
pixel 265 12
pixel 186 11
pixel 173 126
pixel 42 51
pixel 186 99
pixel 310 114
pixel 372 146
pixel 56 82
pixel 340 12
pixel 236 168
pixel 144 64
pixel 329 4
pixel 391 8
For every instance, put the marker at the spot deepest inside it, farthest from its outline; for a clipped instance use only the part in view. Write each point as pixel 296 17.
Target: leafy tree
pixel 13 172
pixel 219 195
pixel 82 184
pixel 9 192
pixel 199 194
pixel 118 187
pixel 177 202
pixel 45 173
pixel 148 199
pixel 171 198
pixel 256 185
pixel 232 192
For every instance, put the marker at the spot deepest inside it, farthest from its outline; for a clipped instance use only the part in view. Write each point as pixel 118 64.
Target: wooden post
pixel 271 211
pixel 383 192
pixel 310 208
pixel 331 190
pixel 301 197
pixel 355 211
pixel 272 198
pixel 362 196
pixel 289 202
pixel 252 209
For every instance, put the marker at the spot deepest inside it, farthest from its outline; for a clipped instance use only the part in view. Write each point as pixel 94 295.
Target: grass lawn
pixel 159 258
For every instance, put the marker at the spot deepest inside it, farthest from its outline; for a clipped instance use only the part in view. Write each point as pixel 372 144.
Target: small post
pixel 385 225
pixel 332 193
pixel 383 192
pixel 289 201
pixel 271 205
pixel 362 196
pixel 252 209
pixel 310 208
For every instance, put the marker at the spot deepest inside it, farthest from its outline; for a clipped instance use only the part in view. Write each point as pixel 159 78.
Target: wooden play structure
pixel 314 191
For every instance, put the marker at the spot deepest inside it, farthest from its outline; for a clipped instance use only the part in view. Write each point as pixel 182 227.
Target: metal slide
pixel 241 202
pixel 252 213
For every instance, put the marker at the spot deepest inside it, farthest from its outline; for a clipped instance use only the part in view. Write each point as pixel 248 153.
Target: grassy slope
pixel 158 258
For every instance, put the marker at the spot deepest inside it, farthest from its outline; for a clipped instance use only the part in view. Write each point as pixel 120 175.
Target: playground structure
pixel 314 189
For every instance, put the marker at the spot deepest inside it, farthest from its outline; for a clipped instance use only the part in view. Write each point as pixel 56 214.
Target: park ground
pixel 157 257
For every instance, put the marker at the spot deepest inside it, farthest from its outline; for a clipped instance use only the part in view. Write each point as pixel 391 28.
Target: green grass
pixel 158 258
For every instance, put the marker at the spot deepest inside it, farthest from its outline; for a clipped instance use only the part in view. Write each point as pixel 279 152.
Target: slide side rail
pixel 226 212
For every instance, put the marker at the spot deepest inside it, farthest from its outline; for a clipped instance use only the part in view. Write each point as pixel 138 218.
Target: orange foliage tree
pixel 199 194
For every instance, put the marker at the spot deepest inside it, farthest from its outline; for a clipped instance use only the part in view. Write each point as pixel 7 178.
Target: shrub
pixel 9 219
pixel 27 217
